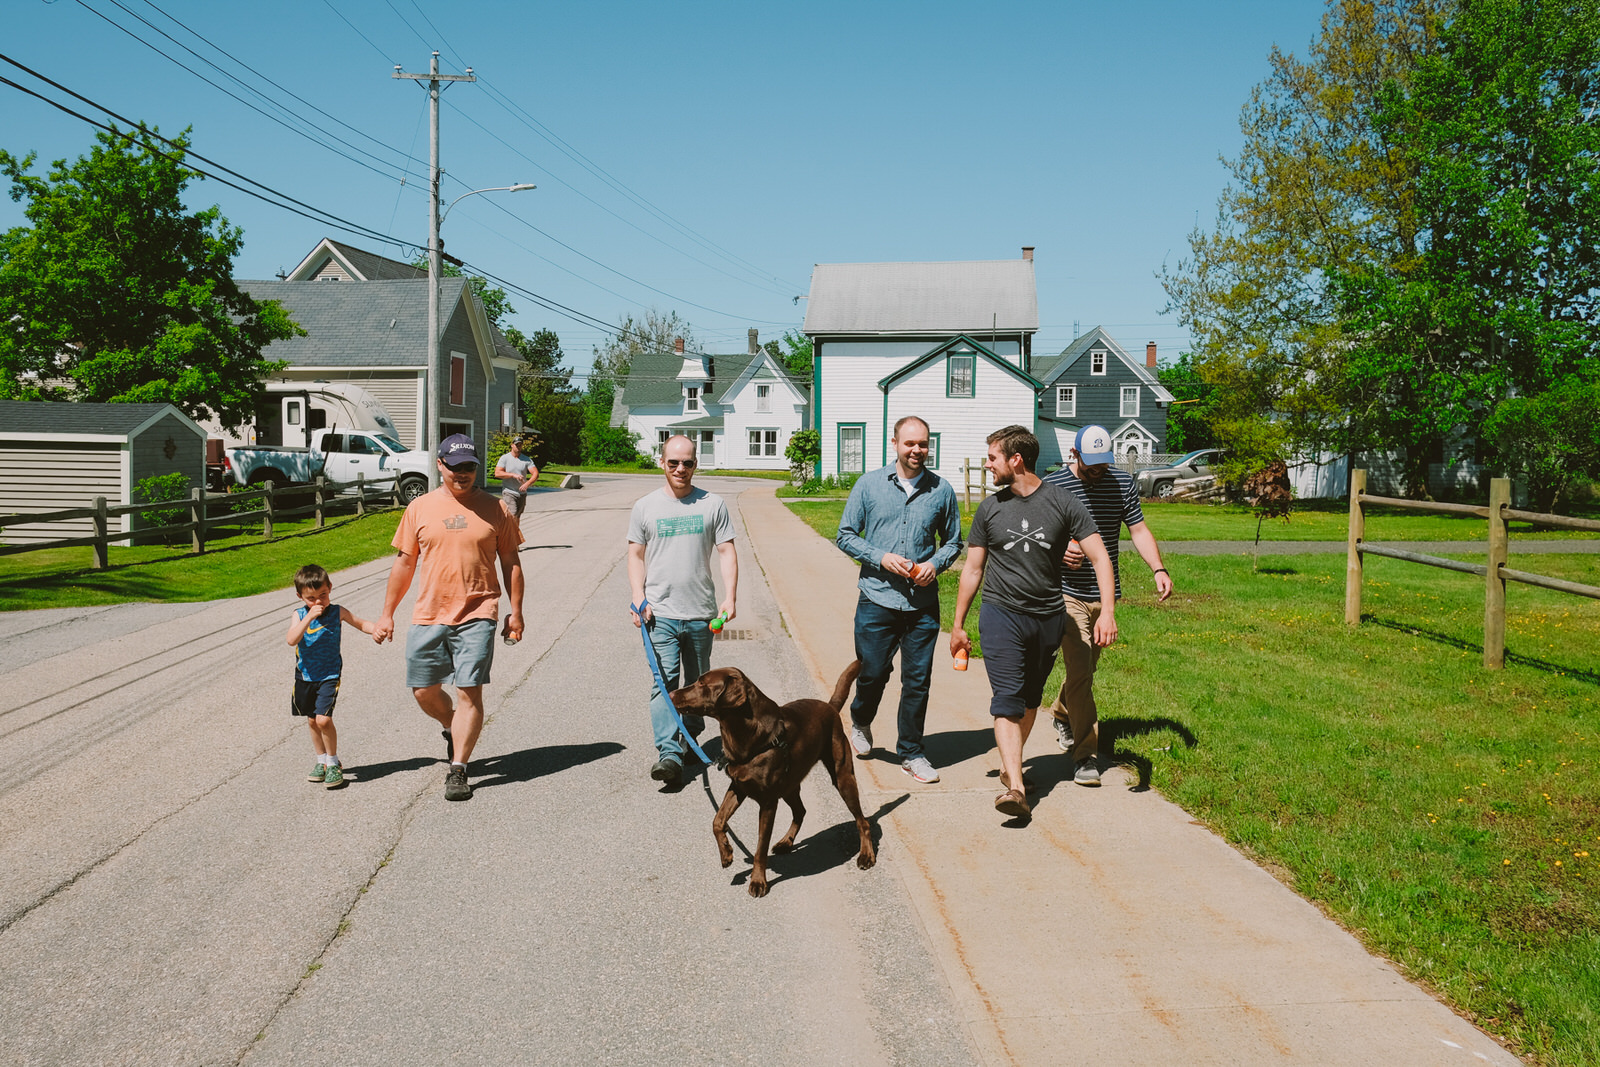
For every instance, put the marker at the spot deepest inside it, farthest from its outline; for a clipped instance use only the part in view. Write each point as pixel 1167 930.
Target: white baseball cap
pixel 1093 445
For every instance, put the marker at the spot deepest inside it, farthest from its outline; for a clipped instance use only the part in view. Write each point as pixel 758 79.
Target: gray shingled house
pixel 1095 380
pixel 366 322
pixel 56 455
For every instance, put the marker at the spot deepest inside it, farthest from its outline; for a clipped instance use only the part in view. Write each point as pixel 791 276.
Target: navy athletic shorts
pixel 314 698
pixel 1018 652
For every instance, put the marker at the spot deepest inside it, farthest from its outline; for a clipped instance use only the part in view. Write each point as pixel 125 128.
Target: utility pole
pixel 433 78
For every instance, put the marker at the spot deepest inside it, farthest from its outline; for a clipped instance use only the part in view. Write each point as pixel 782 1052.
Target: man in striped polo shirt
pixel 1113 501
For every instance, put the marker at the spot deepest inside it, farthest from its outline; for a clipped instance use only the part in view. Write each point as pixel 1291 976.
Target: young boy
pixel 314 631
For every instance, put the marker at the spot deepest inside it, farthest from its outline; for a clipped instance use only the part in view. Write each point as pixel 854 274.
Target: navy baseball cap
pixel 1093 445
pixel 458 449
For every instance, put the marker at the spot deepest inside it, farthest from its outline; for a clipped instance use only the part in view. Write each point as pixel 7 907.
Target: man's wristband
pixel 1161 570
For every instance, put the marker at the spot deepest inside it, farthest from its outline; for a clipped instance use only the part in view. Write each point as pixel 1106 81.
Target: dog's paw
pixel 758 888
pixel 784 846
pixel 866 860
pixel 727 858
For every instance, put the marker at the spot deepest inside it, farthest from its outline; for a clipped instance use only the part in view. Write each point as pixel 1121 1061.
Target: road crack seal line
pixel 7 922
pixel 195 654
pixel 340 928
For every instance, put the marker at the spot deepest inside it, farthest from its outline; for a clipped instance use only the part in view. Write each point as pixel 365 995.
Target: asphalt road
pixel 172 890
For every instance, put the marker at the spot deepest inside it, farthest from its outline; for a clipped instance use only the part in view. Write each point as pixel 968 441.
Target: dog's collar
pixel 777 741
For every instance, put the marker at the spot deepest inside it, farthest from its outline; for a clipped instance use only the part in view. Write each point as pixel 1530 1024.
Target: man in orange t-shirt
pixel 456 532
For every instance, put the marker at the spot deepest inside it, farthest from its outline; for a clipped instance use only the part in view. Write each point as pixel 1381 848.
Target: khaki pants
pixel 1079 657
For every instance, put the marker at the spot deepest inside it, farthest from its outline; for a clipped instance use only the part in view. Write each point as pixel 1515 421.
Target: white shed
pixel 55 456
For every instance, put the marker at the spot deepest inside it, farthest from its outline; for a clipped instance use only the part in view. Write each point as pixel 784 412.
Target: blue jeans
pixel 879 632
pixel 683 647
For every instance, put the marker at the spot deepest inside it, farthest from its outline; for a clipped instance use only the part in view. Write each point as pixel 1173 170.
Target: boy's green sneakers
pixel 318 773
pixel 333 777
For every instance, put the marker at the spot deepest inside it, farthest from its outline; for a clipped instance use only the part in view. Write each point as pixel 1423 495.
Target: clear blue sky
pixel 774 136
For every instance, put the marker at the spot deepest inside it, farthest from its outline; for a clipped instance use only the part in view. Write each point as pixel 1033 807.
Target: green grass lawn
pixel 240 565
pixel 1444 813
pixel 1313 520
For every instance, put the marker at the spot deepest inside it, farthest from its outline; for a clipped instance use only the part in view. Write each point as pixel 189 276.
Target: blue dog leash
pixel 666 690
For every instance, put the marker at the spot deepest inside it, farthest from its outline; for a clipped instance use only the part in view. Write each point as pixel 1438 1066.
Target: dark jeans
pixel 879 632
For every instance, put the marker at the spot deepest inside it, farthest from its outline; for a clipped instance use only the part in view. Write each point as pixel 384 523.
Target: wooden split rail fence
pixel 1494 571
pixel 327 498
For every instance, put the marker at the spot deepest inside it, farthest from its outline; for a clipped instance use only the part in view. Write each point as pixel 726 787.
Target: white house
pixel 951 343
pixel 739 409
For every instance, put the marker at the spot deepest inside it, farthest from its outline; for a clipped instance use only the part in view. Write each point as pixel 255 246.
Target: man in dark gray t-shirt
pixel 1022 531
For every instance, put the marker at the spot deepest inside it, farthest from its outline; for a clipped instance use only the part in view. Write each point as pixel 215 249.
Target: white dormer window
pixel 1066 401
pixel 1130 401
pixel 763 398
pixel 1097 362
pixel 691 398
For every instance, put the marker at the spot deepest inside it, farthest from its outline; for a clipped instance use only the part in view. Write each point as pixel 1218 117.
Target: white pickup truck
pixel 338 455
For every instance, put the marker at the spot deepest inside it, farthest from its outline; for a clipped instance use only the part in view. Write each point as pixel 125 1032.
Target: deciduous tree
pixel 115 292
pixel 1317 187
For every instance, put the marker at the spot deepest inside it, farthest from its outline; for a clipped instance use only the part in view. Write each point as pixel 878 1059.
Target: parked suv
pixel 1160 481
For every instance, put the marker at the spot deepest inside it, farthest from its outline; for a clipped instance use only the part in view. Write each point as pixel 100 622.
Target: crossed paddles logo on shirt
pixel 1026 537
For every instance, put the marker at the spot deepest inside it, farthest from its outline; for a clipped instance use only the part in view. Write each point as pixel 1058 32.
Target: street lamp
pixel 435 247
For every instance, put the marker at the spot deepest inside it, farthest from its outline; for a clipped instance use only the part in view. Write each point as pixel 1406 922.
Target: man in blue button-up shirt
pixel 903 525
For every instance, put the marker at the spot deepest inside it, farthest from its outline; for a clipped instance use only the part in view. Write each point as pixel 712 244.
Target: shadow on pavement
pixel 953 746
pixel 531 763
pixel 818 852
pixel 373 771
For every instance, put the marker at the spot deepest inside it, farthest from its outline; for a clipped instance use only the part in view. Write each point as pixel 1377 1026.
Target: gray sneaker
pixel 861 740
pixel 455 783
pixel 1063 734
pixel 919 768
pixel 667 770
pixel 1086 773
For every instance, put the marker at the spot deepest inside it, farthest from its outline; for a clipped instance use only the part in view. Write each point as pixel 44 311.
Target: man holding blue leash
pixel 672 535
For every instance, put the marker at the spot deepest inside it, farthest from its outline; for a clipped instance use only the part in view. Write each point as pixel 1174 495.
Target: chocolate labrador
pixel 769 748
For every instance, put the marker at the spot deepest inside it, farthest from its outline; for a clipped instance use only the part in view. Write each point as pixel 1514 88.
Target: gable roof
pixel 333 259
pixel 652 378
pixel 53 418
pixel 971 297
pixel 933 354
pixel 759 366
pixel 365 324
pixel 1099 338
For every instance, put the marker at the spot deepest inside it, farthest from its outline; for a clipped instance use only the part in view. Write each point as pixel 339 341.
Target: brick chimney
pixel 677 345
pixel 755 343
pixel 1150 354
pixel 1027 253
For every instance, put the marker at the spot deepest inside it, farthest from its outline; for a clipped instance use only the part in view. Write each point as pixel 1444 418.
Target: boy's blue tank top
pixel 317 657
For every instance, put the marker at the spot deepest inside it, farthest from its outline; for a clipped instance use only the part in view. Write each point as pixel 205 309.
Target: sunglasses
pixel 680 463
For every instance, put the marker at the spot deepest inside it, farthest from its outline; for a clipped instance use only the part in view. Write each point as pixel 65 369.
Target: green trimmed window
pixel 852 448
pixel 961 372
pixel 933 451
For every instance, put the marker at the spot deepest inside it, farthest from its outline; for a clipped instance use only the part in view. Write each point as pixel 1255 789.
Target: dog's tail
pixel 841 688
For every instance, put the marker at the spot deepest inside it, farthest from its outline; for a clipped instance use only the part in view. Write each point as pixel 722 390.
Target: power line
pixel 281 88
pixel 626 221
pixel 315 214
pixel 516 111
pixel 265 114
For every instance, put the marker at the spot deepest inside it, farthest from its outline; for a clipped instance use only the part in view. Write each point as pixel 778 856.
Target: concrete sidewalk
pixel 1112 928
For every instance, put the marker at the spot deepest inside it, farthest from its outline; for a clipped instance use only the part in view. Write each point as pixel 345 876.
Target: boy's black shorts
pixel 314 698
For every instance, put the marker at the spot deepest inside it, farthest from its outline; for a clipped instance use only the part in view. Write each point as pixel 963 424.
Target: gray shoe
pixel 1063 734
pixel 861 740
pixel 455 783
pixel 667 770
pixel 919 768
pixel 1086 773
